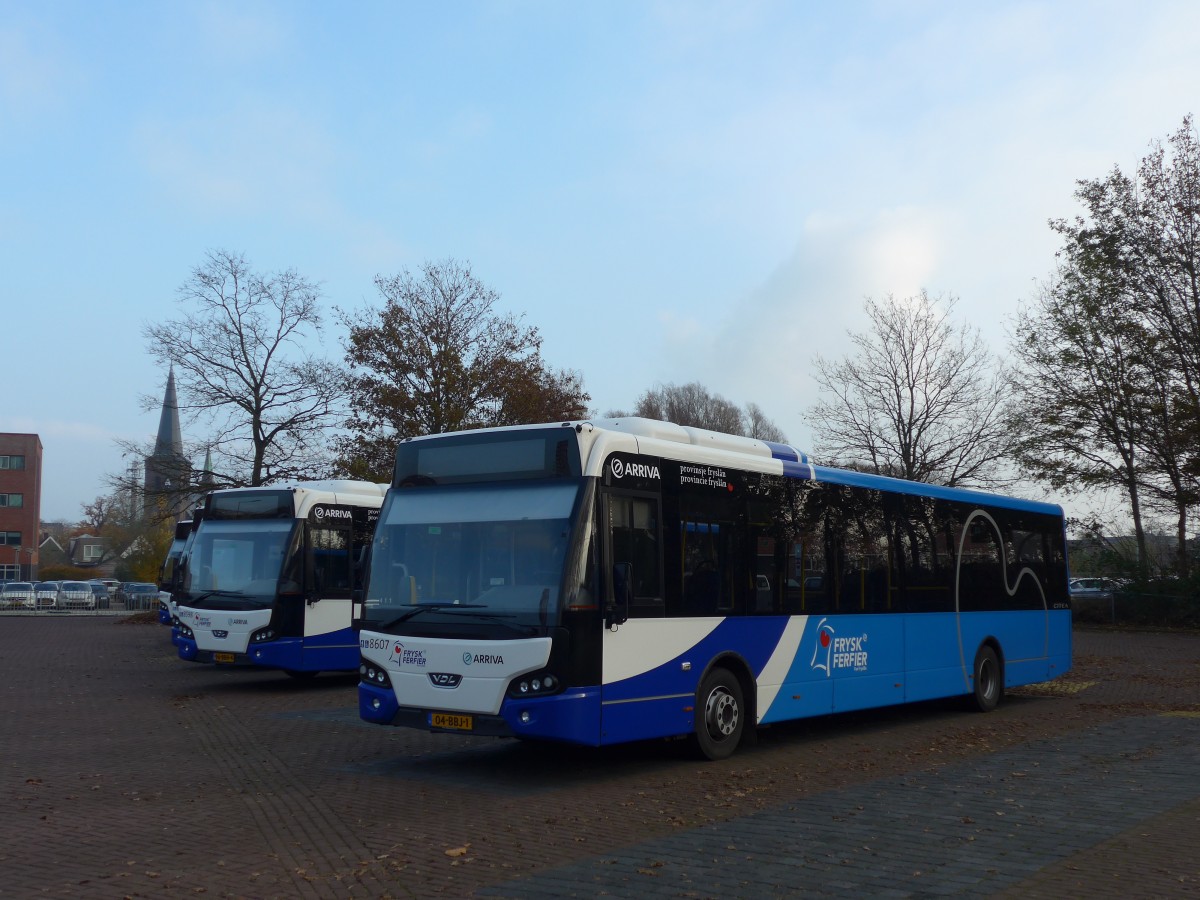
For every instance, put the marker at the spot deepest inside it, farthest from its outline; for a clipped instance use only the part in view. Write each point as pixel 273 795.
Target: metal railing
pixel 1140 608
pixel 112 607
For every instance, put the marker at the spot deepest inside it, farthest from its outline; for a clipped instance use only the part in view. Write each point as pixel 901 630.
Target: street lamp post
pixel 30 551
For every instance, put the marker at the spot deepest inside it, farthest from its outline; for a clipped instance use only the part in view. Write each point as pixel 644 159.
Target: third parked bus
pixel 609 581
pixel 269 575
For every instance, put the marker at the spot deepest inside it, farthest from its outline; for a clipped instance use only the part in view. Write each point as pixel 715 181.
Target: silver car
pixel 76 594
pixel 47 594
pixel 18 595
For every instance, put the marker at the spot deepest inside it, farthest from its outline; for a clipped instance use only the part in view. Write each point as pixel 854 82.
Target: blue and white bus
pixel 268 576
pixel 169 572
pixel 618 580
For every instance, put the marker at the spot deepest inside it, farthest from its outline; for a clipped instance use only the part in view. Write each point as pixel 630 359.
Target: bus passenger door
pixel 327 605
pixel 644 693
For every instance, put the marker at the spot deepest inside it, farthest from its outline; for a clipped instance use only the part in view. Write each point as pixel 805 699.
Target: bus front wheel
pixel 989 683
pixel 720 716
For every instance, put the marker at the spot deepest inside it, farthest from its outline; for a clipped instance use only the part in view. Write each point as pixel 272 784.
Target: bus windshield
pixel 237 564
pixel 490 549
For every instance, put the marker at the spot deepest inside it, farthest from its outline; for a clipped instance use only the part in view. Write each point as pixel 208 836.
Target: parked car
pixel 1093 588
pixel 47 594
pixel 140 595
pixel 18 595
pixel 76 594
pixel 100 592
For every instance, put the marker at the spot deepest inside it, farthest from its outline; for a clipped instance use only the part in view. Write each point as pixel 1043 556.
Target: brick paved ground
pixel 125 772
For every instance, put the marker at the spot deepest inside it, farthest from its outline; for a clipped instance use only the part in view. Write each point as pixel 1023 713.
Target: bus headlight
pixel 262 635
pixel 535 684
pixel 186 632
pixel 373 674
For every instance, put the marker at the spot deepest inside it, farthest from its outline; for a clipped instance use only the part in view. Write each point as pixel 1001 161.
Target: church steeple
pixel 207 478
pixel 169 443
pixel 168 473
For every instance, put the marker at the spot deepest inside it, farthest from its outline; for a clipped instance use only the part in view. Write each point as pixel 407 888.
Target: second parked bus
pixel 270 572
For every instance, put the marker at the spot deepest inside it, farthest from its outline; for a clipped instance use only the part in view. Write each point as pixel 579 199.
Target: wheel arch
pixel 736 665
pixel 994 642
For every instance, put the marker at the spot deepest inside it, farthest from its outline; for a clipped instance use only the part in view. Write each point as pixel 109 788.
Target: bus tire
pixel 720 716
pixel 988 680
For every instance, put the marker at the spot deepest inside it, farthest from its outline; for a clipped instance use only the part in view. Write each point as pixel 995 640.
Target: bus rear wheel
pixel 989 684
pixel 720 715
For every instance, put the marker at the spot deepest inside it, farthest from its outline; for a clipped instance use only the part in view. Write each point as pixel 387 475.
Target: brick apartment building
pixel 20 505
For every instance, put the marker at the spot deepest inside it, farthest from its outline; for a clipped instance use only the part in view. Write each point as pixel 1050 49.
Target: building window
pixel 10 538
pixel 92 552
pixel 12 462
pixel 13 501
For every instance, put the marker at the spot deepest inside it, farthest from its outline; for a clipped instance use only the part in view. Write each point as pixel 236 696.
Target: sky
pixel 668 191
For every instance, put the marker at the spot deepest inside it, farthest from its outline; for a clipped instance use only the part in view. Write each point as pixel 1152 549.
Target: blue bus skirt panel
pixel 653 693
pixel 282 653
pixel 934 658
pixel 838 663
pixel 573 715
pixel 333 651
pixel 1060 639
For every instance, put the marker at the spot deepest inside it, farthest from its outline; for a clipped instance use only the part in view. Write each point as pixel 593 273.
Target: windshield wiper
pixel 499 618
pixel 426 607
pixel 215 593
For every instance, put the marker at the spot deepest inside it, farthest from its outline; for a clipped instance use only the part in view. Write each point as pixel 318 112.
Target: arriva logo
pixel 487 659
pixel 620 469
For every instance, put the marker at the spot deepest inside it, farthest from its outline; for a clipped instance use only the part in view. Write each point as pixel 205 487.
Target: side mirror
pixel 622 580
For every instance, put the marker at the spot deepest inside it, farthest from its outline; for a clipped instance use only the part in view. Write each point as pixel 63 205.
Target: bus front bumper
pixel 573 715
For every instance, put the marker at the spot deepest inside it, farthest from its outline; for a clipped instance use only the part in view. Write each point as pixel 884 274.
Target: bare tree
pixel 437 357
pixel 695 405
pixel 243 369
pixel 920 398
pixel 760 427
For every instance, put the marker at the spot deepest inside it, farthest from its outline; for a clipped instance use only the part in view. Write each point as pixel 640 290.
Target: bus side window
pixel 330 561
pixel 634 535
